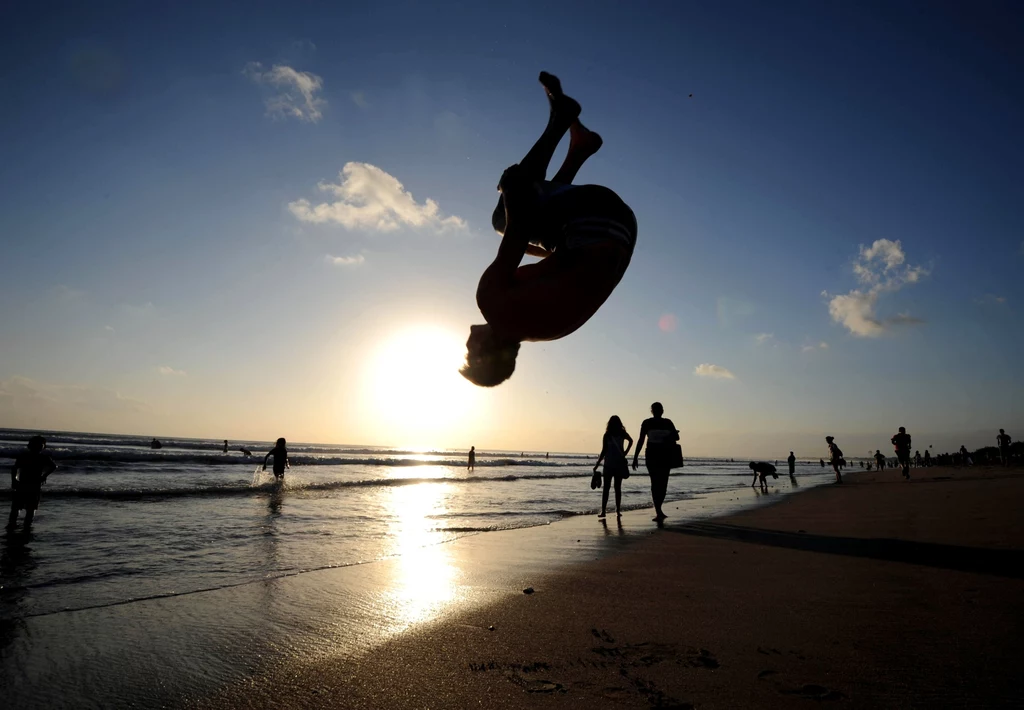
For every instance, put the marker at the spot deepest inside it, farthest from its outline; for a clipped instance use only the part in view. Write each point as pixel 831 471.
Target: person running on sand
pixel 901 443
pixel 762 469
pixel 613 452
pixel 472 459
pixel 835 456
pixel 584 235
pixel 280 454
pixel 879 459
pixel 660 433
pixel 1004 446
pixel 28 474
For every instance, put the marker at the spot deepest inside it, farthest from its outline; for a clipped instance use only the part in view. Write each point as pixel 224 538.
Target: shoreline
pixel 232 634
pixel 877 593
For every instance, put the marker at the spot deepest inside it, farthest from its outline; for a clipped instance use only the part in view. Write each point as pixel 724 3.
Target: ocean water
pixel 121 522
pixel 193 570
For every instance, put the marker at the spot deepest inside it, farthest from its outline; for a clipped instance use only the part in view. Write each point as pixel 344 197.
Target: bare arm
pixel 14 474
pixel 625 451
pixel 640 443
pixel 267 458
pixel 50 468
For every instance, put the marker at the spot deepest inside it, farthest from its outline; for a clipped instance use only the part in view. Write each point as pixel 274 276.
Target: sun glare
pixel 414 389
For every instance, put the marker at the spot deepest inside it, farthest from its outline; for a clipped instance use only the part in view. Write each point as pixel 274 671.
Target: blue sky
pixel 832 226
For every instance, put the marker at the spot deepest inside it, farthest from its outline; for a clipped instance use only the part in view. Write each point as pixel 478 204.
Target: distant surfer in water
pixel 27 478
pixel 280 454
pixel 584 234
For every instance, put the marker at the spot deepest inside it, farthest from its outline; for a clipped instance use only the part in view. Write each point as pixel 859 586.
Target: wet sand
pixel 876 593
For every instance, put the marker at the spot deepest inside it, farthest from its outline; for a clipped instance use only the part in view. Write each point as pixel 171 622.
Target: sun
pixel 414 391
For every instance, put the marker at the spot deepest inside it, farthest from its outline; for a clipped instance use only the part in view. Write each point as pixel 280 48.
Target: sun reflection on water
pixel 425 578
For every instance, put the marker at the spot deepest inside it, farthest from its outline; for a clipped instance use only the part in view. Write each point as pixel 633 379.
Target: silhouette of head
pixel 903 430
pixel 614 425
pixel 472 448
pixel 1002 431
pixel 752 465
pixel 490 360
pixel 878 451
pixel 657 410
pixel 830 439
pixel 36 444
pixel 281 443
pixel 790 453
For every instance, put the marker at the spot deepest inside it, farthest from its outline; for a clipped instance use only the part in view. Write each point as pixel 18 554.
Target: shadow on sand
pixel 981 560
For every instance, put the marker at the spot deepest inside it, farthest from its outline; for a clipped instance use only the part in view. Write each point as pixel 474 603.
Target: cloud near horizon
pixel 369 198
pixel 762 338
pixel 345 260
pixel 168 371
pixel 298 91
pixel 882 269
pixel 714 371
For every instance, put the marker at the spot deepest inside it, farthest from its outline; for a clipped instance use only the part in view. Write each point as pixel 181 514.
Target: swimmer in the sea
pixel 584 235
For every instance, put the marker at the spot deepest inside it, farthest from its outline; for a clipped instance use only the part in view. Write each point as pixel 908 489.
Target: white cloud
pixel 990 299
pixel 762 338
pixel 369 198
pixel 823 345
pixel 811 348
pixel 345 260
pixel 297 95
pixel 359 99
pixel 715 371
pixel 882 269
pixel 170 371
pixel 108 328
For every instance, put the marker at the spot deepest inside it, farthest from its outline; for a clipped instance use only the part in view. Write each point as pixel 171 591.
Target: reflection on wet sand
pixel 425 578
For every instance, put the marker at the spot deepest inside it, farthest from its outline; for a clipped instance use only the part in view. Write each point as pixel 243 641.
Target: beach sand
pixel 877 593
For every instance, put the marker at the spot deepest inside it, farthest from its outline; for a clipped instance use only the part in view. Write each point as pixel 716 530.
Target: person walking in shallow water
pixel 471 465
pixel 280 454
pixel 1004 446
pixel 613 453
pixel 584 235
pixel 835 457
pixel 28 475
pixel 660 434
pixel 792 463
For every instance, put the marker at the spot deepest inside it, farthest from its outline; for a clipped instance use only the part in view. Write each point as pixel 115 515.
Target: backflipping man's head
pixel 490 360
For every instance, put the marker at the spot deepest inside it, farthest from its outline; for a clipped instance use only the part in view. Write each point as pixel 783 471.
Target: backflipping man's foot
pixel 583 141
pixel 564 110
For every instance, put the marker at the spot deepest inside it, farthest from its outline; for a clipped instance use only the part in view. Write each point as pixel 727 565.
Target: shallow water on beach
pixel 121 524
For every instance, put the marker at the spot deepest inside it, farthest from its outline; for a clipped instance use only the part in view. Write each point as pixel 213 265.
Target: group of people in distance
pixel 32 467
pixel 661 456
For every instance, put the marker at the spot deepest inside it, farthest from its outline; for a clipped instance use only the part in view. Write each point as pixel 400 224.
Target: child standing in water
pixel 280 454
pixel 27 478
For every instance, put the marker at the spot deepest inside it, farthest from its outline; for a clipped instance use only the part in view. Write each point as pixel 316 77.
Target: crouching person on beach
pixel 27 478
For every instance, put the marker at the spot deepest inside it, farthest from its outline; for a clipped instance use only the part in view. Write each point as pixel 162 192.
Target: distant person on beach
pixel 927 458
pixel 660 434
pixel 613 452
pixel 225 446
pixel 280 454
pixel 879 459
pixel 28 474
pixel 245 452
pixel 901 443
pixel 155 444
pixel 965 456
pixel 472 459
pixel 762 469
pixel 917 459
pixel 1004 442
pixel 584 235
pixel 792 463
pixel 822 462
pixel 835 457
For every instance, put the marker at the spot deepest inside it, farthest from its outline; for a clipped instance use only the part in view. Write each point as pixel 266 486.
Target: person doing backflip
pixel 280 454
pixel 584 234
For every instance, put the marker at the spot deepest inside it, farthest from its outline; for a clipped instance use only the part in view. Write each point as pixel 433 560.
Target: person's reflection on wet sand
pixel 621 531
